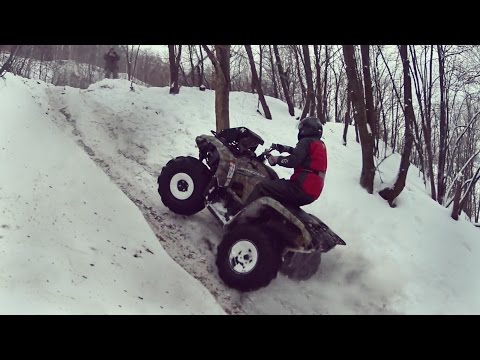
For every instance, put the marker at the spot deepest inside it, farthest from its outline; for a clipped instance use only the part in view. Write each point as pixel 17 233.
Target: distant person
pixel 111 63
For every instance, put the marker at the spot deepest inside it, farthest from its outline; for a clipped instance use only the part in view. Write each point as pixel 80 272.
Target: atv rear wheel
pixel 247 258
pixel 181 185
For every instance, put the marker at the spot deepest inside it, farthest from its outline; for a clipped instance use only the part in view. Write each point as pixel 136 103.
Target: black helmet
pixel 310 126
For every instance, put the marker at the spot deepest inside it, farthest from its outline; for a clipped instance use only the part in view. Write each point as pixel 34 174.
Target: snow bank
pixel 70 241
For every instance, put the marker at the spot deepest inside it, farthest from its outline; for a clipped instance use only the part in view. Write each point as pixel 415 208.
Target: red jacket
pixel 309 160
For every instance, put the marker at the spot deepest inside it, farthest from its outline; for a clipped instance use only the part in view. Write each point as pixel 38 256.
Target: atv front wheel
pixel 247 258
pixel 181 185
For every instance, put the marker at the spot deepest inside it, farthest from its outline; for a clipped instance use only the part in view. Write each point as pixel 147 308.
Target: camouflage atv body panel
pixel 241 174
pixel 312 234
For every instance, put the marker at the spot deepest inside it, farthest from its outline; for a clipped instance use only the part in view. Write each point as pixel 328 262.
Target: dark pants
pixel 285 191
pixel 108 72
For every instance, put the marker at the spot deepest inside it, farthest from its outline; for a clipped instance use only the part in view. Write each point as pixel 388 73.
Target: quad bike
pixel 259 239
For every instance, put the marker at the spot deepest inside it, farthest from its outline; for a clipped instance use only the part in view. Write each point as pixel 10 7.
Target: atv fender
pixel 227 163
pixel 254 209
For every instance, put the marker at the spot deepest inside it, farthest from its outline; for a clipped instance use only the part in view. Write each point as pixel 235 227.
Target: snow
pixel 70 241
pixel 411 259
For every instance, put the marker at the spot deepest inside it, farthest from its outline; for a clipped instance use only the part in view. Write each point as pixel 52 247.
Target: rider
pixel 309 160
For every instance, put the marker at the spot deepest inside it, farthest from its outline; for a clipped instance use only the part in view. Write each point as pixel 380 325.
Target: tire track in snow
pixel 172 237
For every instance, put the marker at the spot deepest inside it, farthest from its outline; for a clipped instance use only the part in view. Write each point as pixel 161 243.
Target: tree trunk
pixel 222 86
pixel 257 82
pixel 260 66
pixel 356 93
pixel 192 68
pixel 443 127
pixel 418 135
pixel 203 78
pixel 134 66
pixel 357 139
pixel 310 100
pixel 6 66
pixel 127 57
pixel 390 194
pixel 337 90
pixel 468 191
pixel 299 74
pixel 319 90
pixel 221 63
pixel 92 57
pixel 427 126
pixel 325 83
pixel 369 108
pixel 456 199
pixel 477 216
pixel 428 106
pixel 274 78
pixel 347 121
pixel 174 67
pixel 283 80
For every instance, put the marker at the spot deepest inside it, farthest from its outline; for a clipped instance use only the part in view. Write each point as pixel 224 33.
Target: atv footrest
pixel 217 213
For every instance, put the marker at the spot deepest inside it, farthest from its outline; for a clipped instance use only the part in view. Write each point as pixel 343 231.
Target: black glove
pixel 281 148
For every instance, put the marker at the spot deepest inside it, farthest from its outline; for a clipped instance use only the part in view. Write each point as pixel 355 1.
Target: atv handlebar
pixel 263 156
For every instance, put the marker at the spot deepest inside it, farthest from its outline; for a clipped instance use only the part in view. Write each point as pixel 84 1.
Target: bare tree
pixel 192 67
pixel 369 107
pixel 338 81
pixel 273 72
pixel 443 126
pixel 355 90
pixel 456 198
pixel 347 121
pixel 319 91
pixel 221 63
pixel 8 63
pixel 325 82
pixel 310 98
pixel 299 73
pixel 174 55
pixel 424 129
pixel 391 193
pixel 131 57
pixel 257 82
pixel 470 185
pixel 284 81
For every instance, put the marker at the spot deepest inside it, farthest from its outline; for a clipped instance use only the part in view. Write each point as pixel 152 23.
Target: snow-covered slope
pixel 70 241
pixel 412 259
